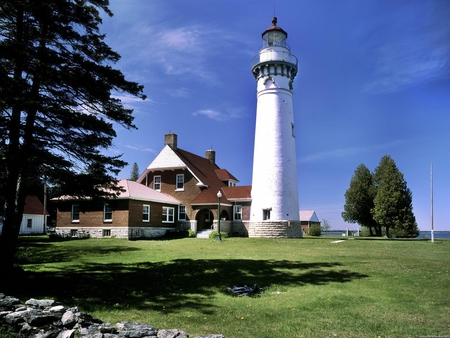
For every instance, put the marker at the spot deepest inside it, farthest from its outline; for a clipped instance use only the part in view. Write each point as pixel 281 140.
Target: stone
pixel 66 334
pixel 136 330
pixel 44 319
pixel 57 308
pixel 40 303
pixel 69 319
pixel 174 333
pixel 7 303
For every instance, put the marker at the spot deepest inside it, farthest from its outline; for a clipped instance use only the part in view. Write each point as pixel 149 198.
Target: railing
pixel 274 55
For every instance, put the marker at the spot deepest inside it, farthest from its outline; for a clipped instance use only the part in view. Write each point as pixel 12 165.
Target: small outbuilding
pixel 308 218
pixel 33 217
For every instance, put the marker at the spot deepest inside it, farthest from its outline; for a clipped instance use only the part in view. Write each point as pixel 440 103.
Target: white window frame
pixel 179 183
pixel 168 214
pixel 106 233
pixel 182 211
pixel 75 211
pixel 107 209
pixel 146 213
pixel 237 211
pixel 157 182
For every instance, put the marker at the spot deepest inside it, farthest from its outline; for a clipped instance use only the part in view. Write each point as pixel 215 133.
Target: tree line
pixel 58 105
pixel 381 200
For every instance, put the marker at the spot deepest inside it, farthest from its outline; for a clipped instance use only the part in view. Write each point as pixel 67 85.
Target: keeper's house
pixel 138 212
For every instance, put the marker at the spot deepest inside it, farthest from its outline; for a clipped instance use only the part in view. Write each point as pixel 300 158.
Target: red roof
pixel 33 206
pixel 235 194
pixel 224 175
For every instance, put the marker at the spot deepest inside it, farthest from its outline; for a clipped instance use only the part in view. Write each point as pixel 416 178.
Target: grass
pixel 357 288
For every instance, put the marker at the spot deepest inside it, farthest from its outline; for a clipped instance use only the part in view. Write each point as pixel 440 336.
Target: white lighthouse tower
pixel 274 182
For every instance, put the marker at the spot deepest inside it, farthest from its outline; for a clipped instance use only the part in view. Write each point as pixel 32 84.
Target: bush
pixel 314 230
pixel 191 233
pixel 215 234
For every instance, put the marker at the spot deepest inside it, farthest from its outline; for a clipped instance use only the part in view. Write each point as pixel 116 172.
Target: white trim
pixel 148 213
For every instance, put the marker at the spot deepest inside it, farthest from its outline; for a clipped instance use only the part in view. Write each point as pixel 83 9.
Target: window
pixel 180 182
pixel 146 213
pixel 293 131
pixel 207 212
pixel 106 232
pixel 107 213
pixel 157 183
pixel 73 233
pixel 75 216
pixel 266 214
pixel 182 212
pixel 237 212
pixel 168 215
pixel 29 222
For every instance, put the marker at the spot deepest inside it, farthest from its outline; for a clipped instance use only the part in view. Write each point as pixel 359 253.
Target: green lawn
pixel 357 288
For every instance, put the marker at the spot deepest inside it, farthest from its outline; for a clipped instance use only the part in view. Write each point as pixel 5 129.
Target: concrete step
pixel 204 233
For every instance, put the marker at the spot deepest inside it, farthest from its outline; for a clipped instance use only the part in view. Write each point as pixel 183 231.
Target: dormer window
pixel 157 183
pixel 180 182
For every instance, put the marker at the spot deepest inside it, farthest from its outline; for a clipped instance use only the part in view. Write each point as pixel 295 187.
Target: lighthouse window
pixel 266 214
pixel 293 133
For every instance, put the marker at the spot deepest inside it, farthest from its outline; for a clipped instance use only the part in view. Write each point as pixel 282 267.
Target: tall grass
pixel 355 288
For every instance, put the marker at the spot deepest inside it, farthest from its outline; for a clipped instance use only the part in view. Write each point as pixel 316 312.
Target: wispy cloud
pixel 348 152
pixel 148 150
pixel 415 50
pixel 180 92
pixel 222 114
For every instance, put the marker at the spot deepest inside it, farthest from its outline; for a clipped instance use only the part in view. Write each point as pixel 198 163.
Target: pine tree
pixel 134 172
pixel 393 201
pixel 57 107
pixel 359 200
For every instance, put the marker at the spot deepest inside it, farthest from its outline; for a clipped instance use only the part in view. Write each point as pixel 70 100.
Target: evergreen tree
pixel 393 201
pixel 57 107
pixel 134 172
pixel 359 200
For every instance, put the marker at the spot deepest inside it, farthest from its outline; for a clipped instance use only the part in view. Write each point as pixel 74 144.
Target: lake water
pixel 423 234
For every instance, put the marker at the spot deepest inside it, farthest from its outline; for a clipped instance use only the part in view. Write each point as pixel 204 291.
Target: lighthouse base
pixel 274 229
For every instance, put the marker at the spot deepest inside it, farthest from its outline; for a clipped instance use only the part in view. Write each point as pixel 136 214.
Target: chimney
pixel 211 155
pixel 171 140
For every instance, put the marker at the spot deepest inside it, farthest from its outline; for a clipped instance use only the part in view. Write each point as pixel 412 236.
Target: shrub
pixel 191 233
pixel 314 230
pixel 215 234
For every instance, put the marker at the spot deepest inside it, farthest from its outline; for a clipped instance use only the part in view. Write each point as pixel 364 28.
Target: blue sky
pixel 373 79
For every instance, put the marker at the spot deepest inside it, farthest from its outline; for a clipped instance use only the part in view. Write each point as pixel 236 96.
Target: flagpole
pixel 432 225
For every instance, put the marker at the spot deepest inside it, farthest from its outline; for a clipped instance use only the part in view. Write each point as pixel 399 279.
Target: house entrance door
pixel 204 219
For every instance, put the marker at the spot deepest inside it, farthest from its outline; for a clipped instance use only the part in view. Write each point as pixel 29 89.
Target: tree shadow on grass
pixel 176 284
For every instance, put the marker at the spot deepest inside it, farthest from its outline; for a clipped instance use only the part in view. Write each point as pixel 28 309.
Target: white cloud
pixel 348 152
pixel 148 150
pixel 210 113
pixel 413 50
pixel 180 92
pixel 221 115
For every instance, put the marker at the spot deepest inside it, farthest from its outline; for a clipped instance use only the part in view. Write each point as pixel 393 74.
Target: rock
pixel 40 303
pixel 174 333
pixel 66 334
pixel 136 330
pixel 7 303
pixel 43 319
pixel 69 319
pixel 57 308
